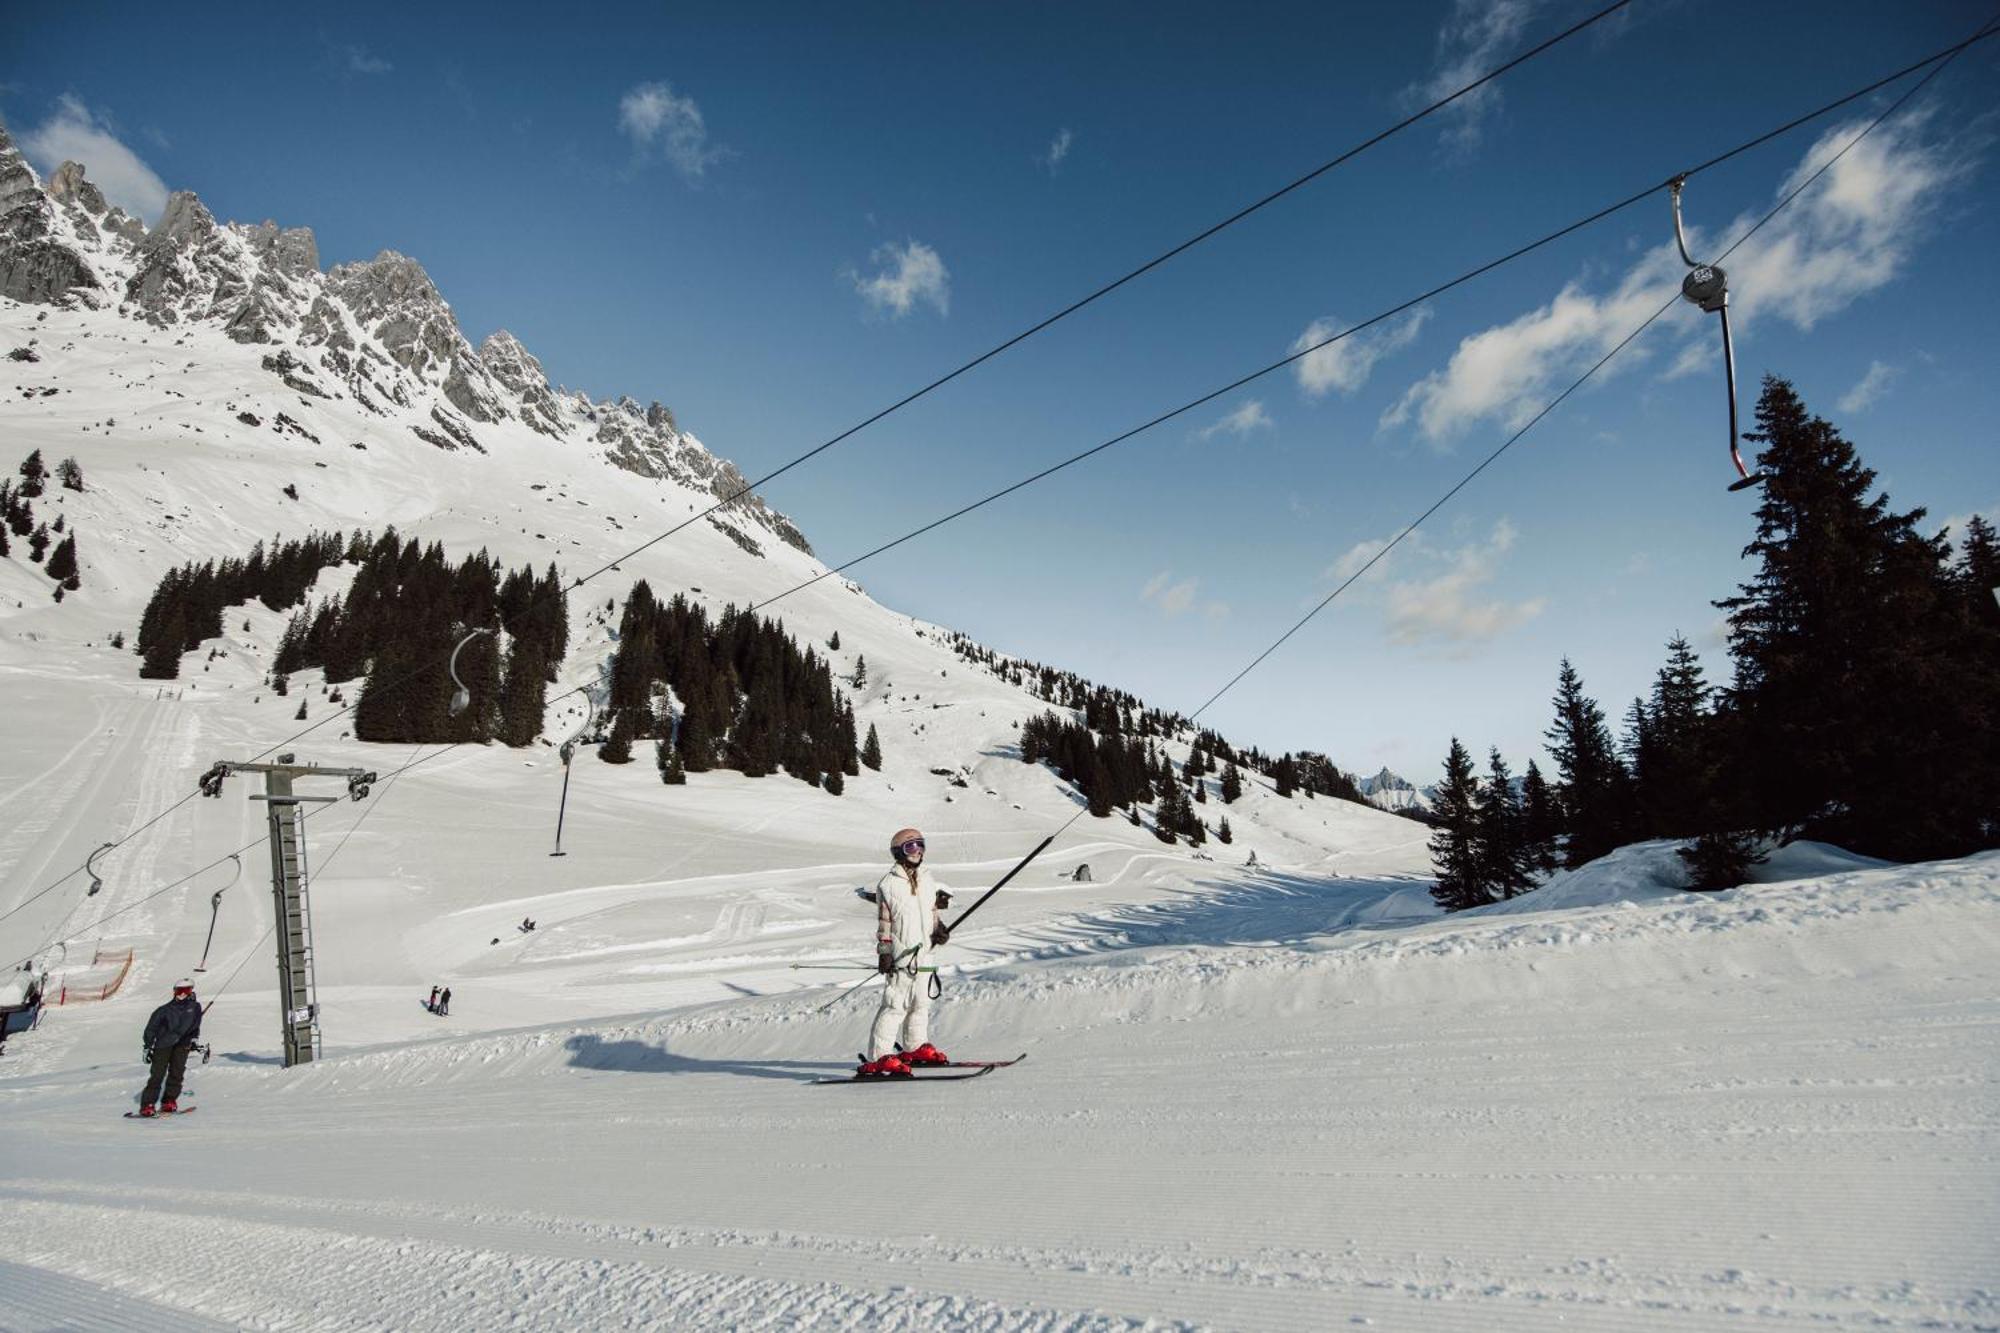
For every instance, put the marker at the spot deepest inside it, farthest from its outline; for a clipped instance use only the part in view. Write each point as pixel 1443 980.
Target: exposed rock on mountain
pixel 376 332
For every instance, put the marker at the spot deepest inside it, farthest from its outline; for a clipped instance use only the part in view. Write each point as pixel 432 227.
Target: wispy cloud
pixel 1343 367
pixel 905 275
pixel 1449 606
pixel 1178 597
pixel 75 133
pixel 1870 388
pixel 1058 149
pixel 1954 524
pixel 1849 235
pixel 359 60
pixel 1245 419
pixel 665 126
pixel 1432 594
pixel 1476 36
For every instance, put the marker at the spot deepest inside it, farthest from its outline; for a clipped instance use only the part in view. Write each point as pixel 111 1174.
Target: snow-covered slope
pixel 1272 1097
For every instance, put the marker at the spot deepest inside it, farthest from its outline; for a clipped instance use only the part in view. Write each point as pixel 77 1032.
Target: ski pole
pixel 849 990
pixel 845 967
pixel 1040 847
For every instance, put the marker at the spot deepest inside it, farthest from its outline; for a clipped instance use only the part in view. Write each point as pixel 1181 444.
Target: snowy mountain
pixel 1390 792
pixel 216 387
pixel 1756 1109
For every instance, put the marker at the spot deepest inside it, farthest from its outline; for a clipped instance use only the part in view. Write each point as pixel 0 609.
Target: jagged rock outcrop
pixel 520 374
pixel 36 266
pixel 398 306
pixel 376 332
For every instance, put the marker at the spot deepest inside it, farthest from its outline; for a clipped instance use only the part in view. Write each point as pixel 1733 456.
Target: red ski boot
pixel 926 1054
pixel 888 1066
pixel 146 1112
pixel 169 1107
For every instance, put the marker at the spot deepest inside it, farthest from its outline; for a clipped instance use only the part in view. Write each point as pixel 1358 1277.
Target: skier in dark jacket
pixel 170 1035
pixel 444 1002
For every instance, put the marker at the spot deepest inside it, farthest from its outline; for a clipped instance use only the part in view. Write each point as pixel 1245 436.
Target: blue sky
pixel 778 220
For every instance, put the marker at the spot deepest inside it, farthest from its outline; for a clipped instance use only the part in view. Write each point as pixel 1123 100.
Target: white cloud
pixel 1448 606
pixel 77 134
pixel 1847 236
pixel 1356 557
pixel 661 123
pixel 1344 366
pixel 1251 416
pixel 906 274
pixel 1475 38
pixel 1058 149
pixel 1178 598
pixel 1870 388
pixel 358 60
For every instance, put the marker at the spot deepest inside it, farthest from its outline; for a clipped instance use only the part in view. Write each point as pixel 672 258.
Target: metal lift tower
pixel 297 1000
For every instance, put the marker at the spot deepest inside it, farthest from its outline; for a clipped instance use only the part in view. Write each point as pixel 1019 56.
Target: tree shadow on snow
pixel 587 1050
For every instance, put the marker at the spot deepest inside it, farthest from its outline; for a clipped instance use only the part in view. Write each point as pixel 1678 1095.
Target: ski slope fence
pixel 69 994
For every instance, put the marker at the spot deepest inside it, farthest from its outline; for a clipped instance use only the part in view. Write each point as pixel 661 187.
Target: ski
pixel 977 1064
pixel 160 1115
pixel 913 1078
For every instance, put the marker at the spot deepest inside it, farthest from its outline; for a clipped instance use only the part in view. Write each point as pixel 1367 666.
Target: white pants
pixel 906 1005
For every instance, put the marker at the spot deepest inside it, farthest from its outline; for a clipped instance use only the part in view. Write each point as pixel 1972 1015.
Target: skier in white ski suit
pixel 907 900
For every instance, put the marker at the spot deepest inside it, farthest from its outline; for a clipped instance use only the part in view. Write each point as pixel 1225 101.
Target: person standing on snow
pixel 432 1003
pixel 907 900
pixel 444 1003
pixel 170 1035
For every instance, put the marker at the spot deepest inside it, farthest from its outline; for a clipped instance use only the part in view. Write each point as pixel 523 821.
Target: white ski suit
pixel 904 916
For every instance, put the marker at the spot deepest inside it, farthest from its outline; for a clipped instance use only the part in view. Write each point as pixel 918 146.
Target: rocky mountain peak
pixel 291 251
pixel 35 264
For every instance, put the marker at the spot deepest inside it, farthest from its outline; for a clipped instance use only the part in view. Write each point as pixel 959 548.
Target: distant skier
pixel 444 1003
pixel 170 1035
pixel 432 1003
pixel 907 900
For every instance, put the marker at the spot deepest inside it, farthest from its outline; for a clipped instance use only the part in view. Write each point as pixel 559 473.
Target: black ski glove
pixel 943 900
pixel 940 933
pixel 148 1056
pixel 885 963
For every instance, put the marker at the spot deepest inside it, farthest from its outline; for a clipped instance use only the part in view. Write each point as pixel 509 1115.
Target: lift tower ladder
pixel 298 999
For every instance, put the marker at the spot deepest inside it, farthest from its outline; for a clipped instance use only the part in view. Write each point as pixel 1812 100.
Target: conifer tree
pixel 1285 775
pixel 1593 781
pixel 1499 845
pixel 1674 782
pixel 62 566
pixel 1862 711
pixel 833 643
pixel 668 756
pixel 33 475
pixel 524 691
pixel 617 747
pixel 70 474
pixel 1541 822
pixel 38 542
pixel 5 547
pixel 834 784
pixel 1455 845
pixel 871 750
pixel 1222 832
pixel 860 679
pixel 1232 783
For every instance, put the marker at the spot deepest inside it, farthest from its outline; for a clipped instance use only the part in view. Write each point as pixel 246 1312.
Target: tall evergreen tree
pixel 1593 781
pixel 617 747
pixel 1455 844
pixel 1541 822
pixel 1499 844
pixel 1863 712
pixel 33 474
pixel 1232 783
pixel 1674 781
pixel 668 756
pixel 871 750
pixel 38 542
pixel 62 566
pixel 1222 831
pixel 524 692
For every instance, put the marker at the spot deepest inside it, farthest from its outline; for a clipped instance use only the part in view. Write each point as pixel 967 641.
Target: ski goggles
pixel 911 848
